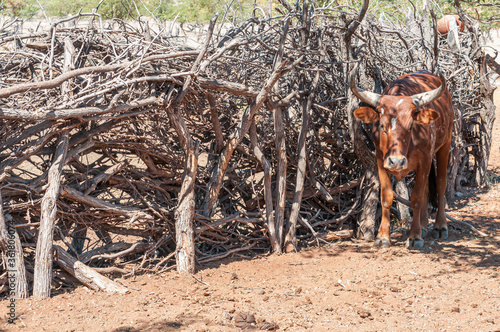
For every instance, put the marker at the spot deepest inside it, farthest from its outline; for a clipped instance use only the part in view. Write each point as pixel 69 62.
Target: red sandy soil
pixel 451 285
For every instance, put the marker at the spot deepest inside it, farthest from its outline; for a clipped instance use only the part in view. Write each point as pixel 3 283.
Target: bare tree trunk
pixel 43 256
pixel 12 251
pixel 426 35
pixel 185 254
pixel 275 244
pixel 78 237
pixel 487 115
pixel 487 119
pixel 366 223
pixel 69 64
pixel 290 239
pixel 290 243
pixel 279 128
pixel 279 214
pixel 185 250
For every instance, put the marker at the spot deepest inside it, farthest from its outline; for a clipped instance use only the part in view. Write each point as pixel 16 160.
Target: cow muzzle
pixel 395 163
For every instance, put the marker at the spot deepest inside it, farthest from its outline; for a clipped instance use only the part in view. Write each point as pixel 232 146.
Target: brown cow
pixel 412 122
pixel 443 25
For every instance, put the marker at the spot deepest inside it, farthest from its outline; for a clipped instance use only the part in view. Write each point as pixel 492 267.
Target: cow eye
pixel 382 127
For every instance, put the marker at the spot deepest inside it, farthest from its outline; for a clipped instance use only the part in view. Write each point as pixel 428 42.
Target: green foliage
pixel 196 10
pixel 397 9
pixel 185 10
pixel 119 8
pixel 60 8
pixel 202 10
pixel 20 8
pixel 124 9
pixel 485 10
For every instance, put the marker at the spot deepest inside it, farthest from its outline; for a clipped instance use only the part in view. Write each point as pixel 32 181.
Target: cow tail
pixel 433 197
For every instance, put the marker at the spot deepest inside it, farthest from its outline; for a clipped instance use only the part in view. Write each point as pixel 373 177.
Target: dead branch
pixel 85 274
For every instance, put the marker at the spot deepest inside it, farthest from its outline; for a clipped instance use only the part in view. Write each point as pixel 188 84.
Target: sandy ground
pixel 451 285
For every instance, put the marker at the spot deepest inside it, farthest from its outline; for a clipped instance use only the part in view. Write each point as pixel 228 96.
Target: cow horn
pixel 368 97
pixel 425 98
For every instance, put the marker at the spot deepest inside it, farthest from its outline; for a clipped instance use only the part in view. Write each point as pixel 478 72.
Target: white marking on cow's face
pixel 399 102
pixel 393 123
pixel 382 111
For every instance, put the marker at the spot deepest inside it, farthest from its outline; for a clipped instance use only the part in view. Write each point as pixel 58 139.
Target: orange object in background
pixel 443 25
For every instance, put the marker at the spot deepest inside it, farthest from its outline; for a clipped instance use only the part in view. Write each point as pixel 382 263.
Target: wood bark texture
pixel 42 278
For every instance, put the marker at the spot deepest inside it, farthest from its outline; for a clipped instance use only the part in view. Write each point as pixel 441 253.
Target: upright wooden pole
pixel 43 253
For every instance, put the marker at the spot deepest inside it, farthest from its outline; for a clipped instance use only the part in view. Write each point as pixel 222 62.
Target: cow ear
pixel 366 114
pixel 425 116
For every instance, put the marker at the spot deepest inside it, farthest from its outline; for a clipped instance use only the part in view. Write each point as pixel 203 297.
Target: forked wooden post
pixel 43 255
pixel 266 165
pixel 185 251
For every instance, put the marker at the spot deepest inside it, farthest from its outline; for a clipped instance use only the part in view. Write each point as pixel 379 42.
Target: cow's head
pixel 393 118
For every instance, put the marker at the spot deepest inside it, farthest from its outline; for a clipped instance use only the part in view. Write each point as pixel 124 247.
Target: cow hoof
pixel 443 233
pixel 440 233
pixel 424 233
pixel 415 244
pixel 382 243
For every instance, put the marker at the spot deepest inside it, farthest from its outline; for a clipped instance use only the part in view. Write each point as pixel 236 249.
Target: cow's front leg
pixel 386 196
pixel 418 200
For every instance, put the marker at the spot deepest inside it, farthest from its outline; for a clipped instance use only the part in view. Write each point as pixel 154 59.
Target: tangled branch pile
pixel 244 136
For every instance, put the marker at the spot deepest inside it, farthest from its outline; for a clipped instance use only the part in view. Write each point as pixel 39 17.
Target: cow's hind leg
pixel 424 219
pixel 440 230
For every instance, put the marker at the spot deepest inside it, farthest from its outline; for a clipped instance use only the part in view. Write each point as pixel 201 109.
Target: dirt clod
pixel 364 313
